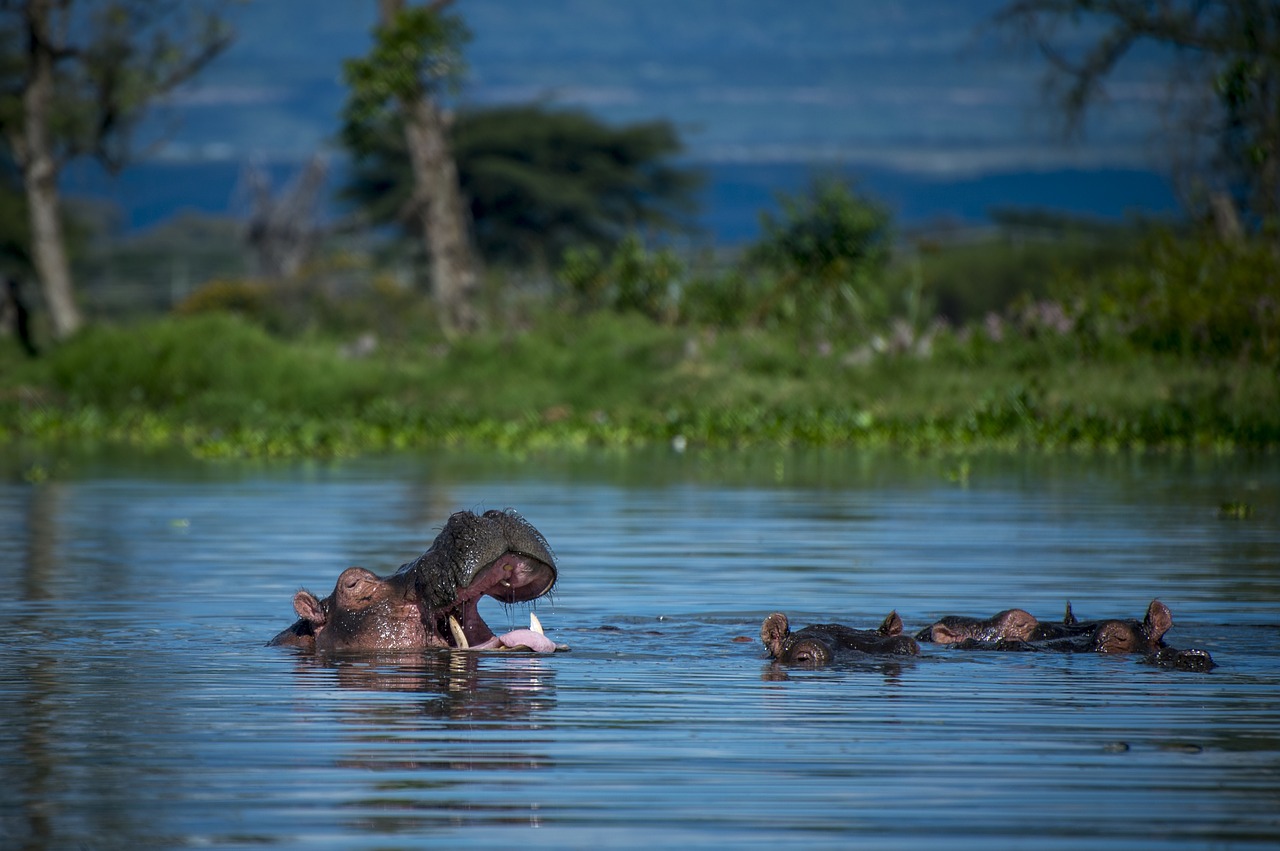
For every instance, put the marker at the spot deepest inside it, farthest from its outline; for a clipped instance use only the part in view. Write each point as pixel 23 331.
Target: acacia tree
pixel 76 76
pixel 1228 50
pixel 540 181
pixel 416 58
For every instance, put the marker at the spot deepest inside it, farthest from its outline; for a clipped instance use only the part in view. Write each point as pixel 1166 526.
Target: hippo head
pixel 819 644
pixel 432 601
pixel 1131 636
pixel 793 649
pixel 364 612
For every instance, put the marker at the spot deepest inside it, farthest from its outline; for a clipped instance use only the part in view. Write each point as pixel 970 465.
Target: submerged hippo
pixel 432 600
pixel 1015 629
pixel 819 644
pixel 1129 635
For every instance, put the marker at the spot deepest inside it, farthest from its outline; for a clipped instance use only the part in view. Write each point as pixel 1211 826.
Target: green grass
pixel 216 385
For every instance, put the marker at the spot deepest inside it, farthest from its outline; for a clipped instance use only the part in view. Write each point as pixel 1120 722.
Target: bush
pixel 721 301
pixel 633 279
pixel 1199 297
pixel 210 365
pixel 966 280
pixel 248 298
pixel 828 250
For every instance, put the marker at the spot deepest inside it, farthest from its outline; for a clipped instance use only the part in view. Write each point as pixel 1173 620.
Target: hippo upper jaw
pixel 511 578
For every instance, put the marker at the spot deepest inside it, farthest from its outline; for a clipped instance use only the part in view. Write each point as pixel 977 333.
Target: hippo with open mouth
pixel 431 602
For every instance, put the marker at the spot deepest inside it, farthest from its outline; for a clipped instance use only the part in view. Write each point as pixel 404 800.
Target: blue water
pixel 142 709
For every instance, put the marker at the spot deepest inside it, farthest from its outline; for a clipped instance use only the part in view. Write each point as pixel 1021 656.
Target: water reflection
pixel 423 727
pixel 44 508
pixel 890 670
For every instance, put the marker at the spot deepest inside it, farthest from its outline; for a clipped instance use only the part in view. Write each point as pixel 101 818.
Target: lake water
pixel 141 709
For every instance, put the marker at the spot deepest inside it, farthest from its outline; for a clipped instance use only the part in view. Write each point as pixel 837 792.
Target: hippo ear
pixel 892 624
pixel 774 632
pixel 309 608
pixel 1158 621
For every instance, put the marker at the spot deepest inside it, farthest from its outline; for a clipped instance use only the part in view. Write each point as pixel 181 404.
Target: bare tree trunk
pixel 33 149
pixel 444 222
pixel 438 197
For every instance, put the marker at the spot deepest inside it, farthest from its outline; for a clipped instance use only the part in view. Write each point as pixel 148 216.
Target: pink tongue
pixel 526 638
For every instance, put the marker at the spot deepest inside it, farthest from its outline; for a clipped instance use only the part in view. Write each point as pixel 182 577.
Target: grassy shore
pixel 219 386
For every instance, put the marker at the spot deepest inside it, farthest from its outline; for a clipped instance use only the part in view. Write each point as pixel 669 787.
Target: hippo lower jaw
pixel 532 638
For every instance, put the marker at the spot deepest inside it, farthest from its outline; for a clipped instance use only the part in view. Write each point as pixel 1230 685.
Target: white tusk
pixel 459 637
pixel 535 624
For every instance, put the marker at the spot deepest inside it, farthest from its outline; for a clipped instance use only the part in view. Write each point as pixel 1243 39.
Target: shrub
pixel 828 251
pixel 1200 297
pixel 247 298
pixel 722 301
pixel 633 279
pixel 209 365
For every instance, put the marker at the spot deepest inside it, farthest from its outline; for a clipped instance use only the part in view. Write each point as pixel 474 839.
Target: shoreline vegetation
pixel 217 385
pixel 1132 339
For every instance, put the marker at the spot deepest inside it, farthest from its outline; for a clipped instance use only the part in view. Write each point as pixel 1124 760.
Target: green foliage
pixel 965 279
pixel 212 366
pixel 339 297
pixel 417 53
pixel 720 300
pixel 244 297
pixel 216 385
pixel 541 181
pixel 828 248
pixel 538 181
pixel 1199 297
pixel 633 279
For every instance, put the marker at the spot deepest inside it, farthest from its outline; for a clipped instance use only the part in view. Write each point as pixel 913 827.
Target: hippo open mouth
pixel 511 578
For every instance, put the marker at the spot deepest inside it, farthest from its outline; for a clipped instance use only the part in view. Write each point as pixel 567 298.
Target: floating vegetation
pixel 1235 510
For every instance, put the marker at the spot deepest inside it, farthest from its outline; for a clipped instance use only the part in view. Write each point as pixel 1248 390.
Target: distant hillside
pixel 735 195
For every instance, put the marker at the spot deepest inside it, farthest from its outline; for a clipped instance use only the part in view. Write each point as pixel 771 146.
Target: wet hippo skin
pixel 1016 630
pixel 432 600
pixel 821 644
pixel 1011 624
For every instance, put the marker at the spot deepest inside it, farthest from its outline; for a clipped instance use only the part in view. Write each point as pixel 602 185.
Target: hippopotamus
pixel 431 602
pixel 819 644
pixel 1015 629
